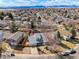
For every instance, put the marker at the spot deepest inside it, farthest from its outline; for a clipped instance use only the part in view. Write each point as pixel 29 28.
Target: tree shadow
pixel 64 46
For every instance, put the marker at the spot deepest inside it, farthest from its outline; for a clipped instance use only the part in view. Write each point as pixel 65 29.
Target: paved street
pixel 74 56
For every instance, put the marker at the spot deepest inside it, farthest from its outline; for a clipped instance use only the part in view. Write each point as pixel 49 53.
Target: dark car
pixel 72 52
pixel 65 54
pixel 12 54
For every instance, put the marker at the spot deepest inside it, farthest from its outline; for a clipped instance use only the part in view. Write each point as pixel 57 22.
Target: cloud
pixel 37 2
pixel 17 2
pixel 61 2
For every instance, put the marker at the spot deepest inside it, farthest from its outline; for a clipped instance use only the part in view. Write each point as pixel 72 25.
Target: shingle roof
pixel 17 36
pixel 63 31
pixel 33 39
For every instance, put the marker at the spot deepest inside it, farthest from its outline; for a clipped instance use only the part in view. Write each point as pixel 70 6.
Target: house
pixel 7 34
pixel 26 24
pixel 3 23
pixel 17 23
pixel 16 38
pixel 37 39
pixel 77 27
pixel 17 17
pixel 58 19
pixel 66 34
pixel 6 18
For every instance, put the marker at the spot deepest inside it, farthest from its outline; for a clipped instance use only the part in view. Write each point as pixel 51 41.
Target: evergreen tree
pixel 10 15
pixel 72 31
pixel 13 27
pixel 75 17
pixel 1 15
pixel 39 17
pixel 32 25
pixel 58 34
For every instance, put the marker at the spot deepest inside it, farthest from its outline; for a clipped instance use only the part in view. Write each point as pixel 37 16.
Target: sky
pixel 6 3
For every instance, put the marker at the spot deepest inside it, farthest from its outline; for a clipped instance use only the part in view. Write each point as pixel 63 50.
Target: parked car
pixel 68 52
pixel 12 54
pixel 72 51
pixel 65 53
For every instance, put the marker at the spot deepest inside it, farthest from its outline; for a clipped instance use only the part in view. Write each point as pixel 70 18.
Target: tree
pixel 58 34
pixel 65 26
pixel 1 15
pixel 32 25
pixel 46 48
pixel 68 16
pixel 13 27
pixel 0 51
pixel 1 48
pixel 28 19
pixel 75 17
pixel 57 37
pixel 39 19
pixel 65 13
pixel 10 15
pixel 72 31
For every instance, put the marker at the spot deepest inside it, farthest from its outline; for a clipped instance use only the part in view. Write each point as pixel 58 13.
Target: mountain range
pixel 25 7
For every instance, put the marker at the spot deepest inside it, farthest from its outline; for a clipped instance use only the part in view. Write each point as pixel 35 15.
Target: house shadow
pixel 19 47
pixel 75 41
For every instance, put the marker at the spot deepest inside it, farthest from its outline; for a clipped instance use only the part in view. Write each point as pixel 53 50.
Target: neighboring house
pixel 7 18
pixel 58 19
pixel 52 39
pixel 16 38
pixel 66 34
pixel 17 18
pixel 7 34
pixel 17 23
pixel 26 24
pixel 45 25
pixel 24 18
pixel 3 23
pixel 77 27
pixel 37 39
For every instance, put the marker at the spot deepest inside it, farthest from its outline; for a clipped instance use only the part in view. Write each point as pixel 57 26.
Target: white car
pixel 67 53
